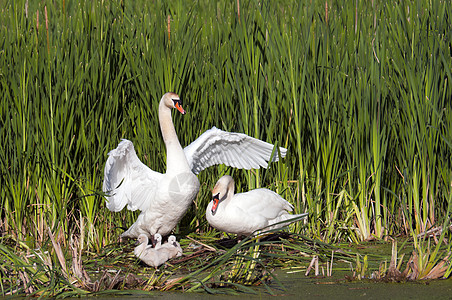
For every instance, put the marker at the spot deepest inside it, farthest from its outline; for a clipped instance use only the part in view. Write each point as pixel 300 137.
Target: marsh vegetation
pixel 357 91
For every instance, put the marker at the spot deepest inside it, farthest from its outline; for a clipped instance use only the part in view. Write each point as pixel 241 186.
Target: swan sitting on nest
pixel 248 212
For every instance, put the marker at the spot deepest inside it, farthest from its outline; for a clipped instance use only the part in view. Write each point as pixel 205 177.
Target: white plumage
pixel 163 199
pixel 153 257
pixel 237 150
pixel 248 212
pixel 170 244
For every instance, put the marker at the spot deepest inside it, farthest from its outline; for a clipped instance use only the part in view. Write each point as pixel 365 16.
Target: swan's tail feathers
pixel 282 221
pixel 289 219
pixel 300 216
pixel 131 233
pixel 127 235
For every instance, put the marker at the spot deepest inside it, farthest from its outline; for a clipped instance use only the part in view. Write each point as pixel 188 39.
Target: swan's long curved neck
pixel 138 251
pixel 175 156
pixel 229 191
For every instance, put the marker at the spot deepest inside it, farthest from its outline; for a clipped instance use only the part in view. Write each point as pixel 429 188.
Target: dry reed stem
pixel 77 266
pixel 238 10
pixel 47 29
pixel 326 12
pixel 439 270
pixel 202 244
pixel 59 253
pixel 314 263
pixel 169 28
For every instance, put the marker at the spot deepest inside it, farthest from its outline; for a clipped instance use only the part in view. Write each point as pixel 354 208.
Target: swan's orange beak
pixel 216 200
pixel 179 108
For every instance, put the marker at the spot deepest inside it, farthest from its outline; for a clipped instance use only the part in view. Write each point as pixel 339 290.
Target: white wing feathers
pixel 262 202
pixel 127 180
pixel 233 149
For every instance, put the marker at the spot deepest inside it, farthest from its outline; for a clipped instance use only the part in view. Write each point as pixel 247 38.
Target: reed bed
pixel 357 91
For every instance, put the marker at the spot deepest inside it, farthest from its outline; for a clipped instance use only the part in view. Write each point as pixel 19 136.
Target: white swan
pixel 173 243
pixel 170 244
pixel 153 257
pixel 143 245
pixel 245 213
pixel 158 240
pixel 163 199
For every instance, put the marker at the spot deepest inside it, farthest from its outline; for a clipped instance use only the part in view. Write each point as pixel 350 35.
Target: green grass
pixel 361 97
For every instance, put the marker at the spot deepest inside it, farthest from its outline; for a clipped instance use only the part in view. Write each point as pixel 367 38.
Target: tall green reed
pixel 360 102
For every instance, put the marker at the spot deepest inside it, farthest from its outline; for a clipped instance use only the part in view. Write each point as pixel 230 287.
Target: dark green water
pixel 299 286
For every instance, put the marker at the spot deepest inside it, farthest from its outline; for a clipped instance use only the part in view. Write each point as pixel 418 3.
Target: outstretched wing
pixel 233 149
pixel 127 180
